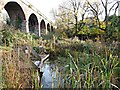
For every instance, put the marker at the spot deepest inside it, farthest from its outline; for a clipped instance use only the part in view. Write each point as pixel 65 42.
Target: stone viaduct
pixel 26 17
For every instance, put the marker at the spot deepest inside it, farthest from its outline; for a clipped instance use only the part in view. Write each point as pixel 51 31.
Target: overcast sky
pixel 45 6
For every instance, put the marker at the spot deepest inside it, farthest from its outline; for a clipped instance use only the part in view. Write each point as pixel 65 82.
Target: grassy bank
pixel 88 64
pixel 85 64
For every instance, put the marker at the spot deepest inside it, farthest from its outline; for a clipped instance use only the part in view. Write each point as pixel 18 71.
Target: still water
pixel 51 76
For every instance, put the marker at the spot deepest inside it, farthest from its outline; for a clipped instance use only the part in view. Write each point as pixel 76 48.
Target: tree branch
pixel 113 6
pixel 103 3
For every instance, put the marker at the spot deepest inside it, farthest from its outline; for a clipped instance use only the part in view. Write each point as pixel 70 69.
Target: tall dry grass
pixel 18 70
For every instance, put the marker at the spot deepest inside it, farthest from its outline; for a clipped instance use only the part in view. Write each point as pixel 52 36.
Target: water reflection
pixel 50 78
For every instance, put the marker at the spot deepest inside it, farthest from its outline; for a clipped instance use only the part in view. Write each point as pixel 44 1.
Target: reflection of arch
pixel 48 27
pixel 42 27
pixel 33 24
pixel 16 14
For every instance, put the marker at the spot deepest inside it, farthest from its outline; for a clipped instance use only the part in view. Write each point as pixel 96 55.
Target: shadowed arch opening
pixel 16 14
pixel 33 24
pixel 42 27
pixel 52 29
pixel 48 27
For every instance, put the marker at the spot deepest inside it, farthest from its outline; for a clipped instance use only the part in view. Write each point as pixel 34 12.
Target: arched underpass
pixel 48 27
pixel 16 14
pixel 24 18
pixel 33 24
pixel 42 27
pixel 52 29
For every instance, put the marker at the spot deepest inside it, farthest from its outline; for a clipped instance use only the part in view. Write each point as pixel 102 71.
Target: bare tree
pixel 63 18
pixel 75 6
pixel 104 8
pixel 78 8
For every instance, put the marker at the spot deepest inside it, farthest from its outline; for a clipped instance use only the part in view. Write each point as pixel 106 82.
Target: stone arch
pixel 42 27
pixel 33 24
pixel 16 14
pixel 52 29
pixel 5 17
pixel 48 27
